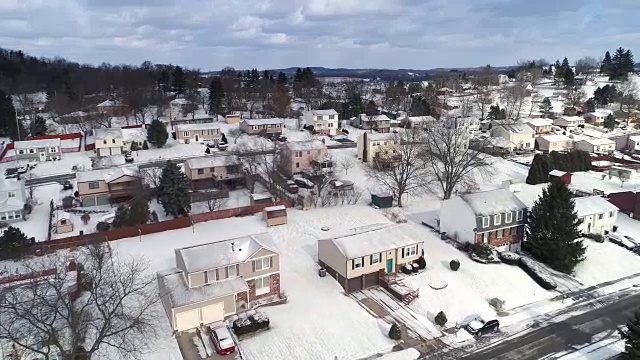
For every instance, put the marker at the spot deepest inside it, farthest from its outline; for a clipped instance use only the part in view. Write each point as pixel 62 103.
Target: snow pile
pixel 406 354
pixel 396 215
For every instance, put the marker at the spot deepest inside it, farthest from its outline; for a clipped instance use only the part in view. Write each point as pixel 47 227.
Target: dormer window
pixel 497 219
pixel 519 215
pixel 508 217
pixel 485 222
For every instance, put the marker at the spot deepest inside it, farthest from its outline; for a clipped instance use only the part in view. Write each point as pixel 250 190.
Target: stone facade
pixel 274 287
pixel 510 235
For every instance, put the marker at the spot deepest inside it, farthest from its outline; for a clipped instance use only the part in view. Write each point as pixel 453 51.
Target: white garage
pixel 186 320
pixel 212 313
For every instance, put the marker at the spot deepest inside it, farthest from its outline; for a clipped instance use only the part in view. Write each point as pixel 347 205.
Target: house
pixel 595 118
pixel 597 214
pixel 297 157
pixel 12 199
pixel 563 176
pixel 264 127
pixel 38 150
pixel 137 135
pixel 520 136
pixel 549 143
pixel 217 280
pixel 214 171
pixel 113 108
pixel 540 126
pixel 178 106
pixel 358 260
pixel 232 118
pixel 106 186
pixel 198 133
pixel 596 145
pixel 503 79
pixel 470 124
pixel 109 141
pixel 380 123
pixel 628 202
pixel 494 217
pixel 323 121
pixel 372 146
pixel 633 143
pixel 568 121
pixel 419 122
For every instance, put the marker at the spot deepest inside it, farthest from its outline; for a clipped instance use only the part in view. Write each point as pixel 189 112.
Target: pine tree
pixel 546 106
pixel 9 126
pixel 495 113
pixel 607 64
pixel 591 104
pixel 223 139
pixel 121 218
pixel 133 214
pixel 14 240
pixel 553 229
pixel 282 78
pixel 395 333
pixel 568 76
pixel 157 134
pixel 145 144
pixel 622 64
pixel 134 146
pixel 179 80
pixel 609 122
pixel 539 170
pixel 174 191
pixel 38 126
pixel 631 336
pixel 216 95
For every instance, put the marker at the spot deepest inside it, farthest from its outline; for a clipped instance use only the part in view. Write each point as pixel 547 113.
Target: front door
pixel 197 138
pixel 43 156
pixel 390 266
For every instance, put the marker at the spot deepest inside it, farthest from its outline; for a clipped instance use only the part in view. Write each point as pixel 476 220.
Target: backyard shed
pixel 264 198
pixel 382 201
pixel 64 224
pixel 275 215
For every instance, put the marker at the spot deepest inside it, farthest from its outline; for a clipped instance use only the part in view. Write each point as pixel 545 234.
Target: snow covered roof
pixel 324 112
pixel 381 117
pixel 26 144
pixel 305 145
pixel 221 253
pixel 554 138
pixel 557 173
pixel 634 138
pixel 493 201
pixel 375 239
pixel 101 134
pixel 11 204
pixel 275 208
pixel 76 114
pixel 599 141
pixel 379 136
pixel 11 184
pixel 107 175
pixel 591 205
pixel 252 122
pixel 517 128
pixel 133 134
pixel 212 161
pixel 120 172
pixel 416 119
pixel 572 118
pixel 538 122
pixel 172 282
pixel 205 126
pixel 529 194
pixel 109 103
pixel 179 101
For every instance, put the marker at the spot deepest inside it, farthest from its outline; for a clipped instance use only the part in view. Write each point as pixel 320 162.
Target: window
pixel 508 217
pixel 485 222
pixel 232 271
pixel 11 194
pixel 104 141
pixel 308 152
pixel 500 233
pixel 3 217
pixel 356 263
pixel 262 285
pixel 200 171
pixel 600 216
pixel 298 153
pixel 519 215
pixel 20 151
pixel 610 213
pixel 375 259
pixel 262 264
pixel 332 117
pixel 485 238
pixel 185 134
pixel 94 185
pixel 63 222
pixel 209 276
pixel 212 170
pixel 409 251
pixel 10 216
pixel 32 151
pixel 330 125
pixel 53 149
pixel 496 219
pixel 297 165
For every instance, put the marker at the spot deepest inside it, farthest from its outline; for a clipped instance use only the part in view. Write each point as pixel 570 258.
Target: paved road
pixel 562 336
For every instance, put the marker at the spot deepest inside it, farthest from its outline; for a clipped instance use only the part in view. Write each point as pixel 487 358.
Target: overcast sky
pixel 418 34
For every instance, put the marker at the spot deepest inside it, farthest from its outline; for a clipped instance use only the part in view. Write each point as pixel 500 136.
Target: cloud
pixel 211 34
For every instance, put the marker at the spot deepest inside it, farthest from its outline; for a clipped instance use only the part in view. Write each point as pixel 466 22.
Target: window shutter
pixel 353 264
pixel 403 252
pixel 371 259
pixel 253 266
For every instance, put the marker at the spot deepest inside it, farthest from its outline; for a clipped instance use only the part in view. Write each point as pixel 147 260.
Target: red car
pixel 222 340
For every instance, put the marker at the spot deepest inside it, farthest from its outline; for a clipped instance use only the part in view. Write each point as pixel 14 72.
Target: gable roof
pixel 120 172
pixel 100 134
pixel 555 137
pixel 305 145
pixel 375 239
pixel 599 141
pixel 493 202
pixel 172 283
pixel 273 121
pixel 205 126
pixel 538 121
pixel 324 112
pixel 590 205
pixel 107 175
pixel 517 128
pixel 212 161
pixel 26 144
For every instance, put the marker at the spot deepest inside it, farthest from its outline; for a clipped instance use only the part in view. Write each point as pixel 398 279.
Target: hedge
pixel 532 269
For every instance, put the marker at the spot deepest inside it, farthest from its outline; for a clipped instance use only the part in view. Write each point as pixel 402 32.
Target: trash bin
pixel 322 272
pixel 443 236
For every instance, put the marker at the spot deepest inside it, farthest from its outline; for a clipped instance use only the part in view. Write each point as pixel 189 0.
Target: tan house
pixel 103 187
pixel 109 141
pixel 232 118
pixel 358 260
pixel 549 143
pixel 568 121
pixel 539 125
pixel 216 280
pixel 596 145
pixel 372 146
pixel 596 117
pixel 198 133
pixel 264 127
pixel 297 157
pixel 210 171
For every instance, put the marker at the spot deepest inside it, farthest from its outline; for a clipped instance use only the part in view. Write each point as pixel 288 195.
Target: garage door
pixel 371 280
pixel 187 320
pixel 212 313
pixel 354 284
pixel 88 201
pixel 102 200
pixel 116 151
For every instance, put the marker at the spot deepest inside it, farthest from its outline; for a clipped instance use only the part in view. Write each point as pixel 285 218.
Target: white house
pixel 633 143
pixel 520 136
pixel 134 135
pixel 469 123
pixel 539 125
pixel 12 200
pixel 597 214
pixel 568 121
pixel 109 141
pixel 323 121
pixel 596 145
pixel 597 117
pixel 549 143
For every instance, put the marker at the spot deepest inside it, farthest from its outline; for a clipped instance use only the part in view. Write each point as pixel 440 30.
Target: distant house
pixel 113 108
pixel 597 214
pixel 494 217
pixel 134 135
pixel 198 133
pixel 372 146
pixel 213 171
pixel 179 105
pixel 232 118
pixel 380 123
pixel 549 143
pixel 633 143
pixel 568 121
pixel 469 124
pixel 520 136
pixel 596 145
pixel 303 156
pixel 595 118
pixel 264 127
pixel 214 281
pixel 12 199
pixel 358 260
pixel 109 141
pixel 103 187
pixel 419 122
pixel 323 121
pixel 563 176
pixel 38 150
pixel 540 126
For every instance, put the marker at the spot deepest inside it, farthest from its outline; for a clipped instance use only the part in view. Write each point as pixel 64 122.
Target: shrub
pixel 595 237
pixel 532 269
pixel 103 226
pixel 145 145
pixel 614 228
pixel 509 258
pixel 407 269
pixel 134 146
pixel 395 333
pixel 441 319
pixel 422 263
pixel 454 264
pixel 243 326
pixel 483 251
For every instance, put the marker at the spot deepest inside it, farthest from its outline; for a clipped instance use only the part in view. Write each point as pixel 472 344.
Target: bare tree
pixel 346 163
pixel 514 97
pixel 235 134
pixel 101 119
pixel 398 167
pixel 94 301
pixel 466 105
pixel 575 97
pixel 214 204
pixel 151 177
pixel 627 97
pixel 450 161
pixel 259 158
pixel 586 64
pixel 483 83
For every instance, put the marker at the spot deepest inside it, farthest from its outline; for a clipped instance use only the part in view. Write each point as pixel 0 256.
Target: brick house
pixel 297 157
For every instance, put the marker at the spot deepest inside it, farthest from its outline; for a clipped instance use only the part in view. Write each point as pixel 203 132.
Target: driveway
pixel 190 351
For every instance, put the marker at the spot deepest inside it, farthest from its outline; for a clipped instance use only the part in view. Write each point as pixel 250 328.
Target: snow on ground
pixel 81 160
pixel 37 223
pixel 606 262
pixel 96 214
pixel 406 354
pixel 590 180
pixel 607 348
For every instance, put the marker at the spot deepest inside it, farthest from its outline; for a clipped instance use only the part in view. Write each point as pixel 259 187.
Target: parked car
pixel 222 340
pixel 292 187
pixel 67 185
pixel 479 327
pixel 128 158
pixel 624 241
pixel 341 184
pixel 304 183
pixel 222 147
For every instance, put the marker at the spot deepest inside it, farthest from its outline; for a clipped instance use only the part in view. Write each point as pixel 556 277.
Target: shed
pixel 275 215
pixel 264 198
pixel 382 201
pixel 64 224
pixel 563 176
pixel 232 118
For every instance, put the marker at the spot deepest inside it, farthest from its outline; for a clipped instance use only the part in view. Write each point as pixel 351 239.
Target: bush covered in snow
pixel 422 263
pixel 496 303
pixel 395 333
pixel 509 258
pixel 441 319
pixel 407 269
pixel 250 322
pixel 454 264
pixel 483 251
pixel 595 237
pixel 537 274
pixel 396 215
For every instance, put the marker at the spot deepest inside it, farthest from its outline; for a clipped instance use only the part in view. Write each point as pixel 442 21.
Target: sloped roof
pixel 100 134
pixel 375 239
pixel 590 205
pixel 172 283
pixel 120 172
pixel 492 202
pixel 108 103
pixel 212 161
pixel 26 144
pixel 205 126
pixel 273 121
pixel 324 112
pixel 305 145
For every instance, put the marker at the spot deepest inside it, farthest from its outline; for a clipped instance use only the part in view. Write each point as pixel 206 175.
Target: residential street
pixel 563 336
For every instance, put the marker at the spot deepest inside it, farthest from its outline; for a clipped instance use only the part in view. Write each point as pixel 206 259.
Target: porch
pixel 396 287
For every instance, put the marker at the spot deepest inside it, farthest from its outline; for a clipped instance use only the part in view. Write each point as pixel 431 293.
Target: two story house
pixel 469 123
pixel 419 122
pixel 213 171
pixel 323 121
pixel 103 187
pixel 297 157
pixel 198 133
pixel 216 280
pixel 519 136
pixel 12 199
pixel 376 146
pixel 596 117
pixel 539 125
pixel 109 141
pixel 380 123
pixel 38 150
pixel 596 145
pixel 494 217
pixel 134 135
pixel 555 142
pixel 358 260
pixel 263 127
pixel 113 108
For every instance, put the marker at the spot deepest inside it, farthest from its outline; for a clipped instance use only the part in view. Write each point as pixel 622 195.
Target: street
pixel 562 336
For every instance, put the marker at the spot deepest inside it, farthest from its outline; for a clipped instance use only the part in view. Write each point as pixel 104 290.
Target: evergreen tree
pixel 8 124
pixel 216 95
pixel 13 240
pixel 174 191
pixel 371 109
pixel 568 76
pixel 495 113
pixel 38 126
pixel 282 79
pixel 622 64
pixel 179 80
pixel 145 145
pixel 420 106
pixel 539 170
pixel 134 146
pixel 553 229
pixel 546 106
pixel 609 122
pixel 157 134
pixel 591 104
pixel 607 64
pixel 223 139
pixel 133 214
pixel 631 336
